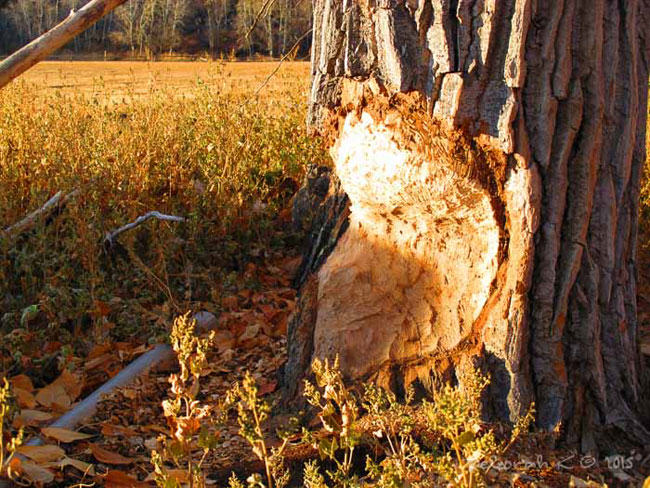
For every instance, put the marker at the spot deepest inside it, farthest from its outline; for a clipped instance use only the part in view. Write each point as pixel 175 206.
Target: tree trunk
pixel 483 204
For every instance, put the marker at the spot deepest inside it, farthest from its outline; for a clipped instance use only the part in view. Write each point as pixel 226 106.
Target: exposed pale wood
pixel 550 98
pixel 40 48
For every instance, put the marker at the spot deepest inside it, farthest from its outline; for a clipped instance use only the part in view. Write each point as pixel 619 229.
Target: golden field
pixel 118 81
pixel 188 139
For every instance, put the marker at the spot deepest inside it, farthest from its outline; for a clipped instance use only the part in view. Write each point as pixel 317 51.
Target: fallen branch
pixel 110 236
pixel 43 46
pixel 55 203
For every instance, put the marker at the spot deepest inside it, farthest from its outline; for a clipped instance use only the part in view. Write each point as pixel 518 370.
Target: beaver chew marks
pixel 417 261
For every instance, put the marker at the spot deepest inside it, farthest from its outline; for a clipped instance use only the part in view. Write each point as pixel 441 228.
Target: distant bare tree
pixel 152 27
pixel 216 12
pixel 126 18
pixel 271 26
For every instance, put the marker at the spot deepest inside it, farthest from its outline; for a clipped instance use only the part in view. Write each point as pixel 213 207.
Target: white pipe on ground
pixel 87 407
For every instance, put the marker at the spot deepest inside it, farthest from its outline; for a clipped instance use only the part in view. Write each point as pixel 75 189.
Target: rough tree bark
pixel 483 202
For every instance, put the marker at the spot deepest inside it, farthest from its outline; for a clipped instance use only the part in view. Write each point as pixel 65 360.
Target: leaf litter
pixel 250 336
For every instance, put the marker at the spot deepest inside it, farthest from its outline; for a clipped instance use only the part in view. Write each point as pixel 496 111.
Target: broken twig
pixel 55 203
pixel 110 236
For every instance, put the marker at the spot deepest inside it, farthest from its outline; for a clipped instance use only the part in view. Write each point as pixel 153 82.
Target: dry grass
pixel 190 142
pixel 119 81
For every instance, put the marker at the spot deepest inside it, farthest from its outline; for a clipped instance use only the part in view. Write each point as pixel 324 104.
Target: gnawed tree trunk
pixel 483 206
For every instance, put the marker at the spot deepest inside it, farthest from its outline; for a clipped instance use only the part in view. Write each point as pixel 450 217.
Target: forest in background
pixel 152 28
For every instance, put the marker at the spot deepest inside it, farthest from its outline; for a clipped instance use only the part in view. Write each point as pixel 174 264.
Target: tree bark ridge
pixel 491 152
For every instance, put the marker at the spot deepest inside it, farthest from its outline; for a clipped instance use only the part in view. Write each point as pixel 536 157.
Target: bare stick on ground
pixel 56 202
pixel 110 237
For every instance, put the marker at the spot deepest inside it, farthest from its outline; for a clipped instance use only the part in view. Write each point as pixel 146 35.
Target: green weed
pixel 193 425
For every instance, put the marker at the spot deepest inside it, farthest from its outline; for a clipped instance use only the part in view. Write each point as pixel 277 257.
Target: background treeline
pixel 151 28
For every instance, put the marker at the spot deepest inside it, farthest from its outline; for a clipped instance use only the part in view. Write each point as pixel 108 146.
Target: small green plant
pixel 465 444
pixel 413 444
pixel 252 413
pixel 338 410
pixel 455 418
pixel 452 441
pixel 7 411
pixel 312 477
pixel 392 424
pixel 192 424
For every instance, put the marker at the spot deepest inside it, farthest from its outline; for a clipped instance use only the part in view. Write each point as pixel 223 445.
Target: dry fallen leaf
pixel 108 457
pixel 64 435
pixel 119 479
pixel 25 398
pixel 110 430
pixel 224 340
pixel 269 311
pixel 151 443
pixel 98 361
pixel 130 393
pixel 227 355
pixel 71 383
pixel 53 396
pixel 28 418
pixel 250 332
pixel 23 382
pixel 99 350
pixel 102 309
pixel 268 387
pixel 281 322
pixel 35 473
pixel 229 303
pixel 291 266
pixel 42 454
pixel 155 428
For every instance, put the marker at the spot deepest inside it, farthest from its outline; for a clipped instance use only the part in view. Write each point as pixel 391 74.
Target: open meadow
pixel 119 81
pixel 218 144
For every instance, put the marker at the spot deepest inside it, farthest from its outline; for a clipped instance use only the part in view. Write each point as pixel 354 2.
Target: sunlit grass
pixel 224 161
